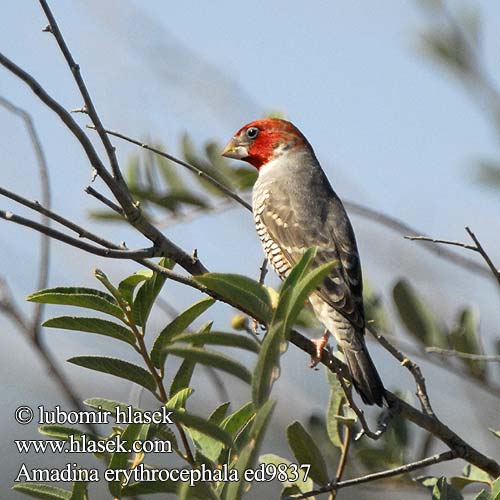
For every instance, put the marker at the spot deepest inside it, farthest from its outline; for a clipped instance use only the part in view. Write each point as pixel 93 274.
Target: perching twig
pixel 403 469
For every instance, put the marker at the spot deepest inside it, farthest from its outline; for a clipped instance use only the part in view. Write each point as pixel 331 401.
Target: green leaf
pixel 185 372
pixel 220 338
pixel 495 433
pixel 303 486
pixel 119 460
pixel 248 455
pixel 219 413
pixel 177 326
pixel 80 297
pixel 118 368
pixel 179 399
pixel 148 292
pixel 482 495
pixel 92 325
pixel 127 287
pixel 231 424
pixel 213 359
pixel 439 488
pixel 292 299
pixel 149 487
pixel 416 316
pixel 306 451
pixel 267 367
pixel 79 491
pixel 201 425
pixel 243 292
pixel 495 490
pixel 470 474
pixel 64 432
pixel 335 404
pixel 299 270
pixel 43 491
pixel 199 491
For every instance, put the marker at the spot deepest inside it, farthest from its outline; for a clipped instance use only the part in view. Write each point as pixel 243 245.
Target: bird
pixel 295 208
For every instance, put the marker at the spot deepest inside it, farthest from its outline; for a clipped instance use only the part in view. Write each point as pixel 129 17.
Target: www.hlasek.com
pixel 81 443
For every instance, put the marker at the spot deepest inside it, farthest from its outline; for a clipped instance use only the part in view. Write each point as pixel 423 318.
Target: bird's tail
pixel 365 377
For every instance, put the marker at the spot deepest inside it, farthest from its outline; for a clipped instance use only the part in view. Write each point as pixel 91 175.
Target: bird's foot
pixel 320 345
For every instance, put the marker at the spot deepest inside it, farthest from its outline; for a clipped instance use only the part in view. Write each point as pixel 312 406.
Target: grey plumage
pixel 295 208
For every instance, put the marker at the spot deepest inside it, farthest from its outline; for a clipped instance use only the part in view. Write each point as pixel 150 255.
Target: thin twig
pixel 111 253
pixel 343 458
pixel 92 192
pixel 463 355
pixel 9 308
pixel 409 348
pixel 411 366
pixel 403 228
pixel 43 173
pixel 89 104
pixel 403 469
pixel 132 212
pixel 484 255
pixel 184 164
pixel 443 242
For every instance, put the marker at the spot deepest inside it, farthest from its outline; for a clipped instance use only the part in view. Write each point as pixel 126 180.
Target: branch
pixel 132 213
pixel 89 105
pixel 464 355
pixel 224 189
pixel 98 196
pixel 484 255
pixel 69 240
pixel 477 247
pixel 43 172
pixel 403 469
pixel 402 228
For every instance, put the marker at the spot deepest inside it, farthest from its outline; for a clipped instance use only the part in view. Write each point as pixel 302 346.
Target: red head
pixel 264 140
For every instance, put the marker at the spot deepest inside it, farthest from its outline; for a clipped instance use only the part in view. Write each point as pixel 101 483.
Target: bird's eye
pixel 252 132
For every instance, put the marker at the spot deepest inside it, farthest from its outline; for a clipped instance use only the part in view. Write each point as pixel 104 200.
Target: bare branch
pixel 98 196
pixel 184 164
pixel 43 172
pixel 463 355
pixel 403 469
pixel 89 104
pixel 131 211
pixel 443 242
pixel 69 240
pixel 402 228
pixel 476 248
pixel 484 255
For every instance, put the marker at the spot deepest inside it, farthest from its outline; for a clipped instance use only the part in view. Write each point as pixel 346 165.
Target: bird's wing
pixel 294 232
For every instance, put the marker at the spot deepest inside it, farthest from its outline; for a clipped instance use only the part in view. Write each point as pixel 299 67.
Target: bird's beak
pixel 235 150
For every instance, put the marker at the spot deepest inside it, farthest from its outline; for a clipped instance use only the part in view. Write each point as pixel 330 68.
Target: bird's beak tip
pixel 235 150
